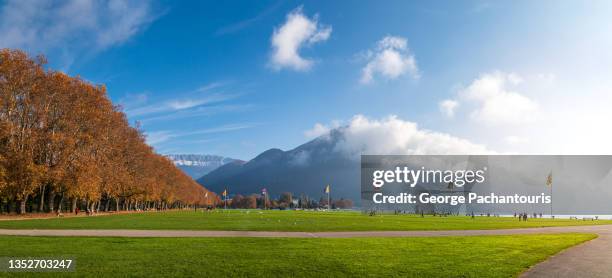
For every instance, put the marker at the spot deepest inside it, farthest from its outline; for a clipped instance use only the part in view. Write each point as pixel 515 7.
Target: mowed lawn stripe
pixel 478 256
pixel 306 221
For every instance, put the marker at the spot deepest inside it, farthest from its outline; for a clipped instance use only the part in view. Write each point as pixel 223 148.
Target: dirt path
pixel 591 259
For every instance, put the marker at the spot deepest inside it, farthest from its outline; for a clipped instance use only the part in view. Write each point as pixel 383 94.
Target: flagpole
pixel 328 202
pixel 551 202
pixel 549 183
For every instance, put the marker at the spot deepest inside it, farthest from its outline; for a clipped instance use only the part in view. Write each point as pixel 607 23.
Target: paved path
pixel 591 259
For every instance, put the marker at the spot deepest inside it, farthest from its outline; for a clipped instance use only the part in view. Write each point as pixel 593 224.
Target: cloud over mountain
pixel 333 158
pixel 392 135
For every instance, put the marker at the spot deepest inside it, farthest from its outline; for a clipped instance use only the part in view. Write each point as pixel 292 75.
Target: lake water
pixel 568 216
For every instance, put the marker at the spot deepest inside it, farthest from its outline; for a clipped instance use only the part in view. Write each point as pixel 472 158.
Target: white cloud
pixel 121 20
pixel 211 86
pixel 495 102
pixel 155 138
pixel 296 32
pixel 187 103
pixel 448 106
pixel 301 158
pixel 392 135
pixel 71 26
pixel 547 78
pixel 391 59
pixel 200 111
pixel 317 130
pixel 176 105
pixel 196 99
pixel 224 128
pixel 563 113
pixel 132 100
pixel 158 137
pixel 515 140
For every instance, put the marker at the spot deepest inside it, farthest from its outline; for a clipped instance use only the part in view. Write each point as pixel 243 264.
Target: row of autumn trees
pixel 63 144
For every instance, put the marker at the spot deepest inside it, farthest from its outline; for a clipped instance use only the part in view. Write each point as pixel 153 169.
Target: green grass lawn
pixel 481 256
pixel 309 221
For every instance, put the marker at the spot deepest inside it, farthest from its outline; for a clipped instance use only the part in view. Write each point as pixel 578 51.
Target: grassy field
pixel 484 256
pixel 257 220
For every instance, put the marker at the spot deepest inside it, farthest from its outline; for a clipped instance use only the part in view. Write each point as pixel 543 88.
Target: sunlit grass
pixel 481 256
pixel 309 221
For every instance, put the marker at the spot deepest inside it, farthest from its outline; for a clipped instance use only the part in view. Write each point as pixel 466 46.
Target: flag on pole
pixel 264 192
pixel 327 189
pixel 225 198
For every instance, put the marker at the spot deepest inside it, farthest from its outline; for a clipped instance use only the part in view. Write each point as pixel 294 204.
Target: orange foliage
pixel 63 134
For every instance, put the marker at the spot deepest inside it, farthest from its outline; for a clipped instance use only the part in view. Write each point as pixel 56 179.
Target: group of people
pixel 88 212
pixel 523 216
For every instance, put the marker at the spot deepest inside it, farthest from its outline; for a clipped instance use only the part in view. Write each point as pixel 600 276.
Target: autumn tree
pixel 62 136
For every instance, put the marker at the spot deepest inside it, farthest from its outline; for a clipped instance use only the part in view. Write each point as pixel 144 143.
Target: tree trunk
pixel 74 204
pixel 41 204
pixel 60 204
pixel 22 205
pixel 107 205
pixel 117 204
pixel 51 200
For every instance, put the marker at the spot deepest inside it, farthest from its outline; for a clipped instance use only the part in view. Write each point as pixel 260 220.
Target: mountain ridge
pixel 198 165
pixel 306 169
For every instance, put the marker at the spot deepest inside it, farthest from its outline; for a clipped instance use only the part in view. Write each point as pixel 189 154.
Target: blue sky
pixel 227 78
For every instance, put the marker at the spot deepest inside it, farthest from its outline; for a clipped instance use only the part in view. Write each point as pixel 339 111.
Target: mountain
pixel 305 169
pixel 198 165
